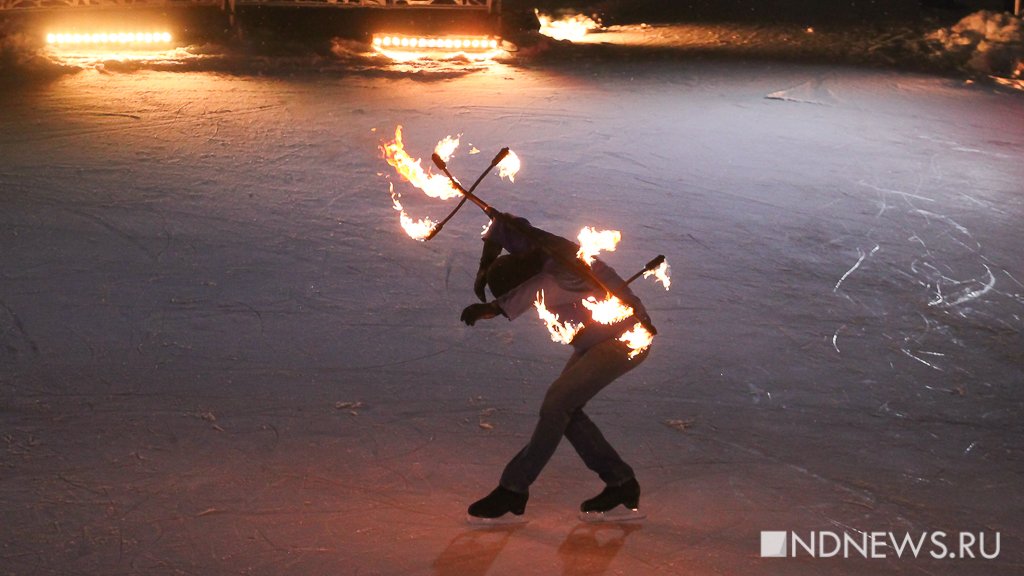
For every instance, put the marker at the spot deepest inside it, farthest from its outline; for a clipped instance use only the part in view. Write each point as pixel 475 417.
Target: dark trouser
pixel 561 414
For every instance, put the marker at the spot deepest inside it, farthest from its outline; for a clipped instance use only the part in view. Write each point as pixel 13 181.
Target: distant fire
pixel 572 28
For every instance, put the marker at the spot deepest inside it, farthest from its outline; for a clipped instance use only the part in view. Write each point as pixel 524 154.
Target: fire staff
pixel 599 357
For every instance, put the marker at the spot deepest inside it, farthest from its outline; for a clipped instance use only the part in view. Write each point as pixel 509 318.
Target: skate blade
pixel 507 519
pixel 618 514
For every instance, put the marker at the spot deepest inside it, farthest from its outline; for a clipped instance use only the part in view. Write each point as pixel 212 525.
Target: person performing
pixel 598 359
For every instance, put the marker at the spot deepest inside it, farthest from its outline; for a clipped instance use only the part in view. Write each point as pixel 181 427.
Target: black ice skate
pixel 614 504
pixel 501 506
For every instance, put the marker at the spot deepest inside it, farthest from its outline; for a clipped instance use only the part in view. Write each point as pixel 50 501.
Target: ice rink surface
pixel 220 355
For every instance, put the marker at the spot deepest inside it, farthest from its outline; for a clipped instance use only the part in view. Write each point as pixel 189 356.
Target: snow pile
pixel 21 55
pixel 986 42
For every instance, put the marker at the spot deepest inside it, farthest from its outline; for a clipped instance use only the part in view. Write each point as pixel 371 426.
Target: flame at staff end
pixel 433 185
pixel 447 146
pixel 637 339
pixel 661 274
pixel 560 332
pixel 416 229
pixel 593 242
pixel 509 167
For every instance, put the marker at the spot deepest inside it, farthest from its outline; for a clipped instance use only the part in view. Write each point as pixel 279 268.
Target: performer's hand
pixel 474 312
pixel 480 283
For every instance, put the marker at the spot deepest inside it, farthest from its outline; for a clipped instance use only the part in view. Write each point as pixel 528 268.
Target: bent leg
pixel 596 452
pixel 583 377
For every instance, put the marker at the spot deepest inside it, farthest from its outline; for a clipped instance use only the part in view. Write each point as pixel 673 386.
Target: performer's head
pixel 511 270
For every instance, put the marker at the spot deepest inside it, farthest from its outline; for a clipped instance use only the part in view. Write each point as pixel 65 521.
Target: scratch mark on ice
pixel 921 360
pixel 1012 278
pixel 835 336
pixel 899 192
pixel 969 295
pixel 959 228
pixel 861 258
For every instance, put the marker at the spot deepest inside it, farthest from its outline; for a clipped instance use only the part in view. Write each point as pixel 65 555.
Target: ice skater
pixel 598 359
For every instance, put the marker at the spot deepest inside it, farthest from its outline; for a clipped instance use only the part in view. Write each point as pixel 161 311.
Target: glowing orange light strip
pixel 107 38
pixel 436 43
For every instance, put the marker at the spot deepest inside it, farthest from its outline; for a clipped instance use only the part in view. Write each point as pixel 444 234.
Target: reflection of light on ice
pixel 87 56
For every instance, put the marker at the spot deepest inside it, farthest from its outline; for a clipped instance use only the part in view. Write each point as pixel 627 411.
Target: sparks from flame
pixel 416 229
pixel 562 332
pixel 660 274
pixel 509 167
pixel 433 185
pixel 594 241
pixel 572 28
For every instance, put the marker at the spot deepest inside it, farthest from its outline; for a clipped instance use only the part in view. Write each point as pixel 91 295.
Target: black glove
pixel 474 312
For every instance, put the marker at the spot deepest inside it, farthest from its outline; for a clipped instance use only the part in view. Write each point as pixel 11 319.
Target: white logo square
pixel 773 544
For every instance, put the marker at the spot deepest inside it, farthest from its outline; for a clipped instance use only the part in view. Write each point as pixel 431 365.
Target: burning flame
pixel 572 28
pixel 607 311
pixel 416 229
pixel 509 167
pixel 433 185
pixel 560 332
pixel 447 146
pixel 637 339
pixel 660 274
pixel 593 242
